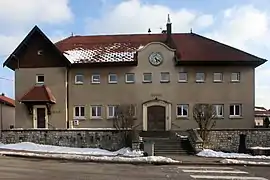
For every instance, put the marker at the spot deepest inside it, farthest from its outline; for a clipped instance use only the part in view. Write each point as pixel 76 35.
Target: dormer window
pixel 40 79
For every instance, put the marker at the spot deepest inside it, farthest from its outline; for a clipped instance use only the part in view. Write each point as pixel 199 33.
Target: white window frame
pixel 200 80
pixel 182 110
pixel 96 109
pixel 165 80
pixel 109 78
pixel 216 110
pixel 147 81
pixel 234 110
pixel 182 80
pixel 220 75
pixel 237 77
pixel 40 82
pixel 76 80
pixel 92 79
pixel 130 74
pixel 108 111
pixel 80 109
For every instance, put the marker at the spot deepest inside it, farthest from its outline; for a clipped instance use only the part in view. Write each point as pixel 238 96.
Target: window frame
pixel 182 110
pixel 237 75
pixel 199 80
pixel 40 82
pixel 92 78
pixel 216 108
pixel 218 80
pixel 165 80
pixel 96 110
pixel 234 115
pixel 183 80
pixel 147 81
pixel 108 111
pixel 76 80
pixel 80 112
pixel 109 78
pixel 126 79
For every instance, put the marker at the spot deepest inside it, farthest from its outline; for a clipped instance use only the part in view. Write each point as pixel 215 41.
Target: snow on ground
pixel 242 162
pixel 260 148
pixel 219 154
pixel 32 147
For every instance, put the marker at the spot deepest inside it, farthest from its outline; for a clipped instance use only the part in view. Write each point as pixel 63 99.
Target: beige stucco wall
pixel 7 117
pixel 55 79
pixel 176 93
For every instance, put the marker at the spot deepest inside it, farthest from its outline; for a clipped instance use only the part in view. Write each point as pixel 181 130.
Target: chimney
pixel 169 27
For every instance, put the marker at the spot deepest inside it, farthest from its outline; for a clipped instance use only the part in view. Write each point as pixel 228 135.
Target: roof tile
pixel 39 93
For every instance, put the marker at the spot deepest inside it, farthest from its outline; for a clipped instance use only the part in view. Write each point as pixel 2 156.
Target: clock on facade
pixel 156 58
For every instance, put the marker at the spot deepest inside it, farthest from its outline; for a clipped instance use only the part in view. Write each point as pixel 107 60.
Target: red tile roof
pixel 6 100
pixel 39 93
pixel 114 48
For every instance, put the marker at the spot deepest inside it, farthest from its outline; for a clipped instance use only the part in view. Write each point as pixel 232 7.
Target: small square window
pixel 79 112
pixel 235 77
pixel 112 78
pixel 79 79
pixel 40 79
pixel 130 78
pixel 95 79
pixel 218 108
pixel 200 77
pixel 218 77
pixel 235 110
pixel 182 110
pixel 183 77
pixel 147 77
pixel 95 112
pixel 165 77
pixel 111 111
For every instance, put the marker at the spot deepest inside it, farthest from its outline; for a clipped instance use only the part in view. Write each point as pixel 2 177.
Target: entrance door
pixel 156 117
pixel 41 121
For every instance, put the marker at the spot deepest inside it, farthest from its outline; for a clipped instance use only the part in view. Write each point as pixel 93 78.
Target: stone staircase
pixel 167 143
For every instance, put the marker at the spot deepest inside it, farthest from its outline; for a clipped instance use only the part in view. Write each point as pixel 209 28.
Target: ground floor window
pixel 218 108
pixel 79 112
pixel 235 110
pixel 96 111
pixel 182 110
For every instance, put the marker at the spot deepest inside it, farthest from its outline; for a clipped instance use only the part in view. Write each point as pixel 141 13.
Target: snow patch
pixel 260 148
pixel 219 154
pixel 236 161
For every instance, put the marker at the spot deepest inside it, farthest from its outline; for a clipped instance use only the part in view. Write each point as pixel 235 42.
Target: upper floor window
pixel 112 78
pixel 217 77
pixel 40 78
pixel 111 111
pixel 183 77
pixel 96 111
pixel 235 110
pixel 164 77
pixel 218 108
pixel 147 77
pixel 130 78
pixel 79 79
pixel 200 77
pixel 79 112
pixel 95 79
pixel 235 77
pixel 182 110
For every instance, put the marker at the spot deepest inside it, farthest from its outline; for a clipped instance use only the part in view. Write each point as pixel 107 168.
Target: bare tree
pixel 204 115
pixel 124 121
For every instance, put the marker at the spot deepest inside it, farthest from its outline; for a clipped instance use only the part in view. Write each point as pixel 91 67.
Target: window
pixel 40 79
pixel 130 78
pixel 218 77
pixel 78 79
pixel 111 111
pixel 235 77
pixel 182 110
pixel 95 79
pixel 95 111
pixel 200 77
pixel 112 78
pixel 79 112
pixel 218 108
pixel 182 77
pixel 235 110
pixel 165 77
pixel 147 77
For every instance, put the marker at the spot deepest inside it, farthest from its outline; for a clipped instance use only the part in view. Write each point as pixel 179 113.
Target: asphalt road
pixel 32 169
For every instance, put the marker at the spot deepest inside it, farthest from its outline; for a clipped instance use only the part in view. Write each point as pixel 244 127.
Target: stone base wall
pixel 227 140
pixel 105 139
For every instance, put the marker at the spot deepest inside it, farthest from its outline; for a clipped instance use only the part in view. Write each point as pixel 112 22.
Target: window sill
pixel 235 81
pixel 217 81
pixel 79 118
pixel 96 118
pixel 112 82
pixel 130 82
pixel 164 81
pixel 95 82
pixel 183 81
pixel 147 81
pixel 200 81
pixel 235 117
pixel 182 118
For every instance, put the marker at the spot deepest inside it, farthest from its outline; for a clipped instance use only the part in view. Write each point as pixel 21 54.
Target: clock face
pixel 155 58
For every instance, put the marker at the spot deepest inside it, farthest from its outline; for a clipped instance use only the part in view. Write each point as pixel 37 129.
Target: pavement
pixel 32 169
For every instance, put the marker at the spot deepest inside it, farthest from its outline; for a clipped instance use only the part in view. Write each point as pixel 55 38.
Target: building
pixel 78 81
pixel 7 112
pixel 260 114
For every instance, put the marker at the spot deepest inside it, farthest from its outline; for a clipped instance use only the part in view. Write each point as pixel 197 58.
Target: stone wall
pixel 227 140
pixel 105 139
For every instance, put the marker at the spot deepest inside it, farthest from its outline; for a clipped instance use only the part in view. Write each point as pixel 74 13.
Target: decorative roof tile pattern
pixel 39 93
pixel 6 100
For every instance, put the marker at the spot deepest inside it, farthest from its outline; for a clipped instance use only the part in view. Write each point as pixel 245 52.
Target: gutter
pixel 67 98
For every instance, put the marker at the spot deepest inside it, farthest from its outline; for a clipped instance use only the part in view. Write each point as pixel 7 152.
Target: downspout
pixel 1 112
pixel 67 97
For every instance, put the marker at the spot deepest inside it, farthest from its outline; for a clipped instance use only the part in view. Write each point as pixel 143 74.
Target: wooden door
pixel 156 118
pixel 41 114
